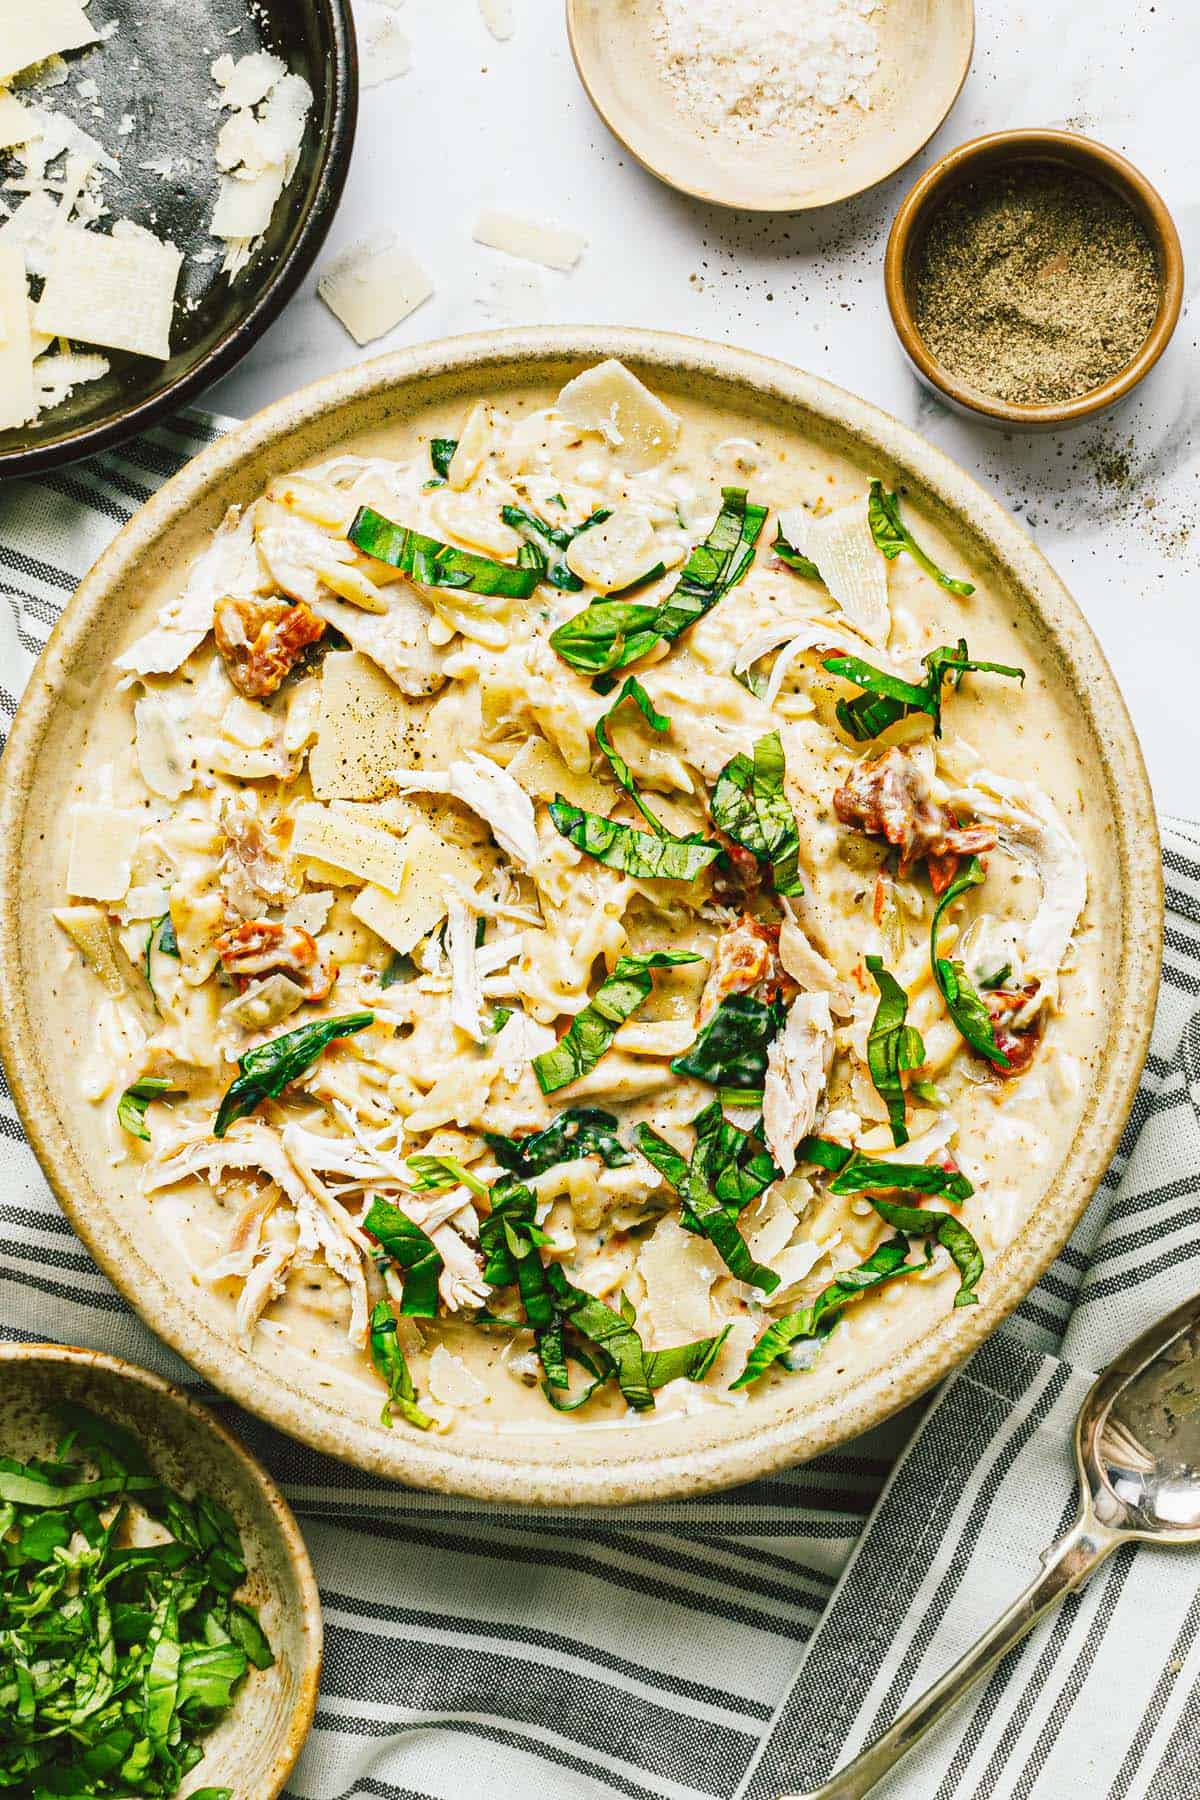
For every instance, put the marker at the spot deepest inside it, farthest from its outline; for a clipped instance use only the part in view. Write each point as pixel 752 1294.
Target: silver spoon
pixel 1137 1443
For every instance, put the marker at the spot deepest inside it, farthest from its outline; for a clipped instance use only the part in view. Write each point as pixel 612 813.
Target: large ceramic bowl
pixel 253 1750
pixel 557 1461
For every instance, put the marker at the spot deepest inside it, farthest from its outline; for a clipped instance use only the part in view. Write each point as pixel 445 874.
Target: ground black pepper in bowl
pixel 1035 284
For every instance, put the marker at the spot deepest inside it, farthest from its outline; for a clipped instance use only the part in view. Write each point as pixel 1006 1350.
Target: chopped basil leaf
pixel 266 1071
pixel 399 968
pixel 854 1173
pixel 391 1363
pixel 967 1010
pixel 118 1660
pixel 433 564
pixel 551 541
pixel 817 1319
pixel 613 1336
pixel 892 536
pixel 161 938
pixel 597 639
pixel 613 633
pixel 499 1019
pixel 997 979
pixel 886 698
pixel 631 851
pixel 592 1031
pixel 510 1239
pixel 443 1172
pixel 723 1175
pixel 749 804
pixel 131 1107
pixel 803 565
pixel 731 1051
pixel 441 455
pixel 753 684
pixel 691 1361
pixel 944 1229
pixel 580 1131
pixel 416 1253
pixel 632 690
pixel 892 1046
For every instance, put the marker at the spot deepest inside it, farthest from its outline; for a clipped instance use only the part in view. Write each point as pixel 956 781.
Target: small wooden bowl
pixel 981 157
pixel 925 51
pixel 254 1750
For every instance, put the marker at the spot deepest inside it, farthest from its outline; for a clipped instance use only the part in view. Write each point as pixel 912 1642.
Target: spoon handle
pixel 1067 1565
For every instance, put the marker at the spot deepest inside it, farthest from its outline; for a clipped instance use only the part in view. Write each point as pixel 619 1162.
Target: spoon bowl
pixel 1137 1443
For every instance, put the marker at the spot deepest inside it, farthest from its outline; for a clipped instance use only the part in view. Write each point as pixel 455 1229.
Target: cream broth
pixel 267 833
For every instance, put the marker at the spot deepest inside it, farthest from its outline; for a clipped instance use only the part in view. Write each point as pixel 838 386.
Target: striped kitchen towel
pixel 743 1643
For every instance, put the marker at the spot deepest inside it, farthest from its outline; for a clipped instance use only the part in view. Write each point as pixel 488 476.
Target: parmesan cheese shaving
pixel 100 858
pixel 115 291
pixel 530 240
pixel 432 865
pixel 363 718
pixel 17 124
pixel 336 839
pixel 498 17
pixel 32 30
pixel 851 565
pixel 17 403
pixel 634 423
pixel 372 287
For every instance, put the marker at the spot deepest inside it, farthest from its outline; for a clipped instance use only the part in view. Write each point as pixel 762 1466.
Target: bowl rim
pixel 743 200
pixel 281 283
pixel 501 1472
pixel 1032 144
pixel 308 1673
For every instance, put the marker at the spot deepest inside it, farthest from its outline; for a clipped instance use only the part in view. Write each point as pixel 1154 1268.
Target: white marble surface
pixel 477 123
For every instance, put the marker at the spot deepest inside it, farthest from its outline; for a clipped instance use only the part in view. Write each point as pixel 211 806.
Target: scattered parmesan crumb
pixel 126 125
pixel 385 51
pixel 87 89
pixel 498 17
pixel 372 286
pixel 527 238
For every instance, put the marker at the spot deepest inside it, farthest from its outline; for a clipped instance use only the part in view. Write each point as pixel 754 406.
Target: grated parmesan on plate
pixel 767 66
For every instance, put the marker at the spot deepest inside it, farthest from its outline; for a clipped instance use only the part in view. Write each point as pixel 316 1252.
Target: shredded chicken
pixel 261 640
pixel 891 797
pixel 798 1065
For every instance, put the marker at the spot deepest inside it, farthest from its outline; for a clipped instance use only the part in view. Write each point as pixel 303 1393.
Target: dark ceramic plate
pixel 156 68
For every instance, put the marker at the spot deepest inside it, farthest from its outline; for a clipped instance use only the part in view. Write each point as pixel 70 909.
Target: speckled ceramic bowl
pixel 556 1462
pixel 254 1749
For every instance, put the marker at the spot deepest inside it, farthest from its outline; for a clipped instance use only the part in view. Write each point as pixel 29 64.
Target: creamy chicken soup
pixel 574 912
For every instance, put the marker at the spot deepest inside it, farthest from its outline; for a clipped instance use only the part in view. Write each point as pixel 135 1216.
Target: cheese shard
pixel 244 208
pixel 32 30
pixel 337 840
pixel 17 124
pixel 365 721
pixel 543 774
pixel 100 859
pixel 372 287
pixel 842 547
pixel 634 423
pixel 114 291
pixel 17 402
pixel 433 865
pixel 526 238
pixel 498 17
